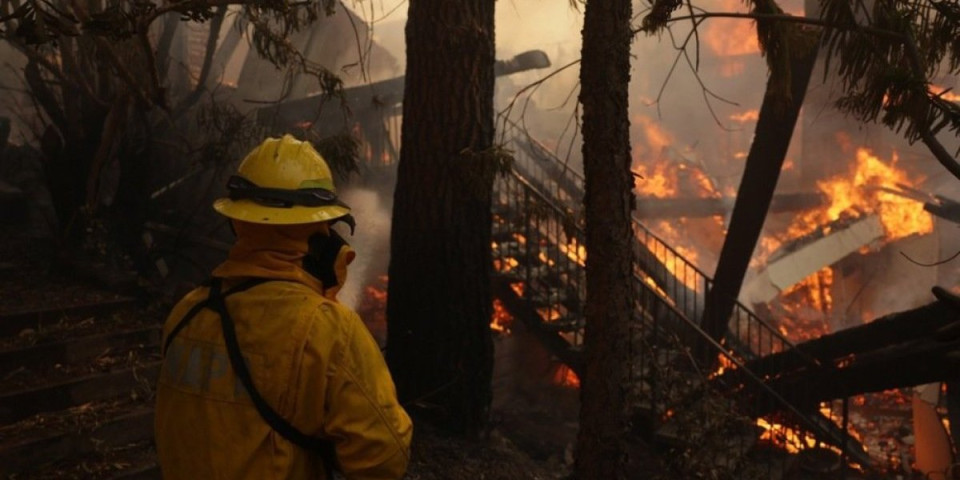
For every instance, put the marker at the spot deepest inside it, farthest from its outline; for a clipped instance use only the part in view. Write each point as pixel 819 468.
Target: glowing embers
pixel 785 437
pixel 724 364
pixel 501 320
pixel 565 377
pixel 575 252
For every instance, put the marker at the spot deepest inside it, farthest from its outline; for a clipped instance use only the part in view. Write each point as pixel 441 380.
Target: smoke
pixel 371 242
pixel 698 108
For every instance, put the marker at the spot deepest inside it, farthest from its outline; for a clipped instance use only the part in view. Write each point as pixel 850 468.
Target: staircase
pixel 680 403
pixel 77 370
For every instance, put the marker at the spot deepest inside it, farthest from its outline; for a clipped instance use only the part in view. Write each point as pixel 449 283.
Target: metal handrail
pixel 669 308
pixel 552 208
pixel 686 264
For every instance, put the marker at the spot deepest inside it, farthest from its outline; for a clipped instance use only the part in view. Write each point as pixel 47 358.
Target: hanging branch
pixel 910 103
pixel 211 48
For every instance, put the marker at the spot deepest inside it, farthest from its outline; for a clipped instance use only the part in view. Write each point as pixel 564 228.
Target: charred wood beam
pixel 808 255
pixel 385 93
pixel 651 207
pixel 775 126
pixel 523 311
pixel 893 329
pixel 944 208
pixel 908 364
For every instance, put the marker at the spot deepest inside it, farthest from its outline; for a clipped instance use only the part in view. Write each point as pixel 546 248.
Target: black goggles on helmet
pixel 240 188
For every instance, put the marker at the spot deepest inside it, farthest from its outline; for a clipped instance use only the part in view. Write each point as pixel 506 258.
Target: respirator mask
pixel 328 256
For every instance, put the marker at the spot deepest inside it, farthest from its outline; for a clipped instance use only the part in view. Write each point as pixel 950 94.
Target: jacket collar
pixel 271 251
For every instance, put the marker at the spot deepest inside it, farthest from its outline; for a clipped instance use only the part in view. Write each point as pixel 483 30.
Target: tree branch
pixel 211 48
pixel 923 130
pixel 112 126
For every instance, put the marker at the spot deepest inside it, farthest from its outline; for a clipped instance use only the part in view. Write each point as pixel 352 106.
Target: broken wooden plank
pixel 12 323
pixel 652 207
pixel 150 471
pixel 522 311
pixel 778 117
pixel 321 109
pixel 784 271
pixel 20 454
pixel 79 349
pixel 898 366
pixel 18 405
pixel 883 332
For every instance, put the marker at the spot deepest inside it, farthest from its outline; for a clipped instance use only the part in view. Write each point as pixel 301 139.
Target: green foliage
pixel 342 153
pixel 497 158
pixel 886 56
pixel 659 15
pixel 227 134
pixel 89 61
pixel 480 168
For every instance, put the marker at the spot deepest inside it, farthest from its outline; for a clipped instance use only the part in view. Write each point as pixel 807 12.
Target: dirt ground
pixel 439 457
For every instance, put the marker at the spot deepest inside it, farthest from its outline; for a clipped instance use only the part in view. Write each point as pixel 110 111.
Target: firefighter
pixel 265 375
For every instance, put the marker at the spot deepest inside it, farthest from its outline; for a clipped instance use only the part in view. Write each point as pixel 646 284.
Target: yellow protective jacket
pixel 311 358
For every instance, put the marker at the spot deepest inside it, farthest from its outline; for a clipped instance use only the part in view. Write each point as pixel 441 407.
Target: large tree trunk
pixel 440 303
pixel 775 125
pixel 602 448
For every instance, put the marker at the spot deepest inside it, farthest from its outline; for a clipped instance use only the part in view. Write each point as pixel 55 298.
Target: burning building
pixel 850 236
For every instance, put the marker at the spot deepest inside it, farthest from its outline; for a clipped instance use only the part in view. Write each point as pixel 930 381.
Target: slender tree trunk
pixel 440 302
pixel 775 126
pixel 602 448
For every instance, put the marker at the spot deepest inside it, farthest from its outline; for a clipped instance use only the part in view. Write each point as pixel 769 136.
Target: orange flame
pixel 866 188
pixel 744 117
pixel 817 289
pixel 564 376
pixel 731 37
pixel 900 216
pixel 724 365
pixel 784 437
pixel 655 181
pixel 501 319
pixel 942 92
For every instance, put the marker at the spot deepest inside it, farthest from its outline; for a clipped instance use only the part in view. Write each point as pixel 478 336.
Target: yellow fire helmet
pixel 284 181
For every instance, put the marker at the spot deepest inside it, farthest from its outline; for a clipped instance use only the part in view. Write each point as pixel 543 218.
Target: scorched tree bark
pixel 440 303
pixel 602 445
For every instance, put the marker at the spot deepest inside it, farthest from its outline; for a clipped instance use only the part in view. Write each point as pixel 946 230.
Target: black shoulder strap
pixel 244 286
pixel 320 446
